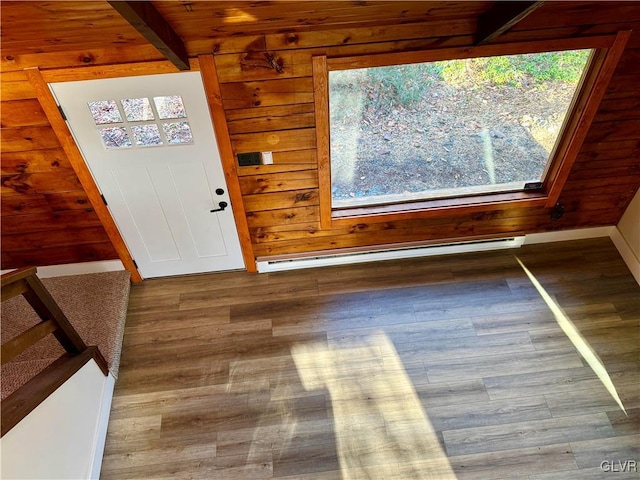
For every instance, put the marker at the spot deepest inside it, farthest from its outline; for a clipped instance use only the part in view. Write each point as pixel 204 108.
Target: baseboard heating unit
pixel 288 262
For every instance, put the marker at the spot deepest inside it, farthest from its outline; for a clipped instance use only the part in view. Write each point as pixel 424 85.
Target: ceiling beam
pixel 501 17
pixel 144 17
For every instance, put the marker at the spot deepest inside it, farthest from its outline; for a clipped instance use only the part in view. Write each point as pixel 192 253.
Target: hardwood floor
pixel 441 367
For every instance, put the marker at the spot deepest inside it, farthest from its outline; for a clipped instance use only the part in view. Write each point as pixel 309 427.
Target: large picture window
pixel 429 130
pixel 448 128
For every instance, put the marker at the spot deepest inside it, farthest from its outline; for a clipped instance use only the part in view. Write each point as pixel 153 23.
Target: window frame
pixel 607 51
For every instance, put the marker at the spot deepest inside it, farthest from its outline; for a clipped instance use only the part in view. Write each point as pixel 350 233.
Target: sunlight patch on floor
pixel 381 429
pixel 579 342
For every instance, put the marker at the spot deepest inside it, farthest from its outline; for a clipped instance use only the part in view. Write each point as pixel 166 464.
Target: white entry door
pixel 150 145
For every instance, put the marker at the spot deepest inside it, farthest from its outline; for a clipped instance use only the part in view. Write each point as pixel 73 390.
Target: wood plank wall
pixel 269 110
pixel 46 218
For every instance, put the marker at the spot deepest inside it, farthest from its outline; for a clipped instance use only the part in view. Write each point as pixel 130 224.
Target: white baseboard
pixel 264 265
pixel 77 268
pixel 389 252
pixel 626 253
pixel 285 262
pixel 103 424
pixel 564 235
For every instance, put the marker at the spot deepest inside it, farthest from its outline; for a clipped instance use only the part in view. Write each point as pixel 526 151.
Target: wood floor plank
pixel 625 423
pixel 298 324
pixel 466 368
pixel 142 428
pixel 190 370
pixel 439 349
pixel 514 463
pixel 142 323
pixel 591 453
pixel 133 463
pixel 606 340
pixel 378 281
pixel 527 434
pixel 493 412
pixel 232 296
pixel 241 417
pixel 175 401
pixel 479 291
pixel 534 319
pixel 561 380
pixel 306 459
pixel 196 332
pixel 599 400
pixel 452 366
pixel 511 305
pixel 454 393
pixel 595 473
pixel 157 304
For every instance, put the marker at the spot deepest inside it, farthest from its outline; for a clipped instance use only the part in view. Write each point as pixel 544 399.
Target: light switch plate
pixel 267 158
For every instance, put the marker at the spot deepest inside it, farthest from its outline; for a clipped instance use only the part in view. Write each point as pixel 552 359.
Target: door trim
pixel 40 79
pixel 209 75
pixel 71 150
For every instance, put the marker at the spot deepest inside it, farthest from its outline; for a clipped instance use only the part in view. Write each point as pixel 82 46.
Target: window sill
pixel 437 208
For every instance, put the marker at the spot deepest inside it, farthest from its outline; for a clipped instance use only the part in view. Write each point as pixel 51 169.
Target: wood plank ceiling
pixel 45 27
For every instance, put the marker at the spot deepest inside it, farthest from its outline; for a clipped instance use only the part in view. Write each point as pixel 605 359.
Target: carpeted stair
pixel 96 306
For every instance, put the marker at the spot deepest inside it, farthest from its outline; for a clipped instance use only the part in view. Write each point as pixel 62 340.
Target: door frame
pixel 205 64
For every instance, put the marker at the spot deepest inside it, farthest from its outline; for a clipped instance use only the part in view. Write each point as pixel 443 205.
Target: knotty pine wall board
pixel 15 86
pixel 64 201
pixel 613 109
pixel 49 221
pixel 42 203
pixel 275 141
pixel 279 182
pixel 22 139
pixel 23 113
pixel 270 93
pixel 114 55
pixel 36 183
pixel 34 161
pixel 54 238
pixel 90 252
pixel 46 216
pixel 286 199
pixel 269 119
pixel 17 204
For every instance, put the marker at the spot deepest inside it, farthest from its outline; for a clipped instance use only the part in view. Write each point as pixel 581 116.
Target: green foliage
pixel 405 85
pixel 552 66
pixel 517 70
pixel 481 71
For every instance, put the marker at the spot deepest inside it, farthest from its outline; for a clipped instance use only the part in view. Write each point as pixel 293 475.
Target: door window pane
pixel 105 111
pixel 130 114
pixel 178 132
pixel 115 137
pixel 170 106
pixel 146 135
pixel 137 109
